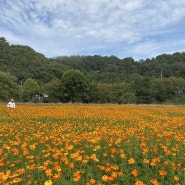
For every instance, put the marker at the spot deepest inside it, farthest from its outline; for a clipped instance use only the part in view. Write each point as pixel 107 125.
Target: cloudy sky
pixel 124 28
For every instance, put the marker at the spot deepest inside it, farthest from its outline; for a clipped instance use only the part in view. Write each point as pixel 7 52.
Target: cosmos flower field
pixel 92 144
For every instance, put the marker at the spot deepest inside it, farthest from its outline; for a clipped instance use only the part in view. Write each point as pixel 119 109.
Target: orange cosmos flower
pixel 176 178
pixel 115 167
pixel 154 150
pixel 162 172
pixel 124 137
pixel 139 183
pixel 134 173
pixel 1 163
pixel 120 173
pixel 114 174
pixel 154 161
pixel 105 178
pixel 131 161
pixel 56 176
pixel 105 154
pixel 55 164
pixel 17 180
pixel 107 164
pixel 146 161
pixel 25 152
pixel 100 167
pixel 111 178
pixel 76 176
pixel 96 148
pixel 108 169
pixel 32 147
pixel 84 161
pixel 173 165
pixel 154 182
pixel 5 176
pixel 15 151
pixel 58 169
pixel 20 171
pixel 145 150
pixel 167 136
pixel 93 157
pixel 48 172
pixel 71 165
pixel 113 150
pixel 142 145
pixel 92 181
pixel 165 162
pixel 74 155
pixel 79 158
pixel 122 156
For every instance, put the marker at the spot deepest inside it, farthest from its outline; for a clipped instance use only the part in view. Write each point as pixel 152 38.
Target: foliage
pixel 113 70
pixel 53 90
pixel 143 90
pixel 156 80
pixel 23 62
pixel 128 98
pixel 8 87
pixel 30 89
pixel 74 85
pixel 166 89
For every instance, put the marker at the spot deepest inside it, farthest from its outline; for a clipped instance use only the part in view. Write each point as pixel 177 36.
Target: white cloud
pixel 71 27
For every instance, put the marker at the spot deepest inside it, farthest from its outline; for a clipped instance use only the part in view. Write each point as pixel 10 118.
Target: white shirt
pixel 11 104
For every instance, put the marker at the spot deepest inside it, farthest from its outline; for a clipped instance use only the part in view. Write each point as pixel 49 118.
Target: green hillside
pixel 24 62
pixel 110 79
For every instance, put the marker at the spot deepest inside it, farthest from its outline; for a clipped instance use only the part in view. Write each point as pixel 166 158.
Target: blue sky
pixel 124 28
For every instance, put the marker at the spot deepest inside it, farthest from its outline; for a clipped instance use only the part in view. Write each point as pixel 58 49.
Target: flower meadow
pixel 92 144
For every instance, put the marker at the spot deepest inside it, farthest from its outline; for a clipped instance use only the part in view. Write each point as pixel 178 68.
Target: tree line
pixel 29 76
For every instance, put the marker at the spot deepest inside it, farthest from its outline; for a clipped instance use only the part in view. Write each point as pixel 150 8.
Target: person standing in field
pixel 11 104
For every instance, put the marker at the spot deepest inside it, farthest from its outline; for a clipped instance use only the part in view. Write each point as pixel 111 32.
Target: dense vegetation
pixel 107 79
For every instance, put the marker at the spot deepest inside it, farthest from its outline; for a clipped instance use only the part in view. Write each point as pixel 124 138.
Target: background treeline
pixel 29 76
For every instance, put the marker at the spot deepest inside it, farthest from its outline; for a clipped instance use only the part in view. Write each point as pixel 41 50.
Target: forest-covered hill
pixel 23 62
pixel 113 69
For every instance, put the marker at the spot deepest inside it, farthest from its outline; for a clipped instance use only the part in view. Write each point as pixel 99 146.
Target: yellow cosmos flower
pixel 48 182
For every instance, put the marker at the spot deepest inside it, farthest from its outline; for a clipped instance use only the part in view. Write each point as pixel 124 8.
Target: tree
pixel 127 98
pixel 3 42
pixel 8 87
pixel 143 90
pixel 53 90
pixel 30 89
pixel 74 86
pixel 166 89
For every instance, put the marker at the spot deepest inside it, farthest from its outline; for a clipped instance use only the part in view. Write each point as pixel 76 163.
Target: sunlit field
pixel 86 144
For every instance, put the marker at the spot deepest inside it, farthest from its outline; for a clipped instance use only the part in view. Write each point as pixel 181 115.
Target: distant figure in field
pixel 11 104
